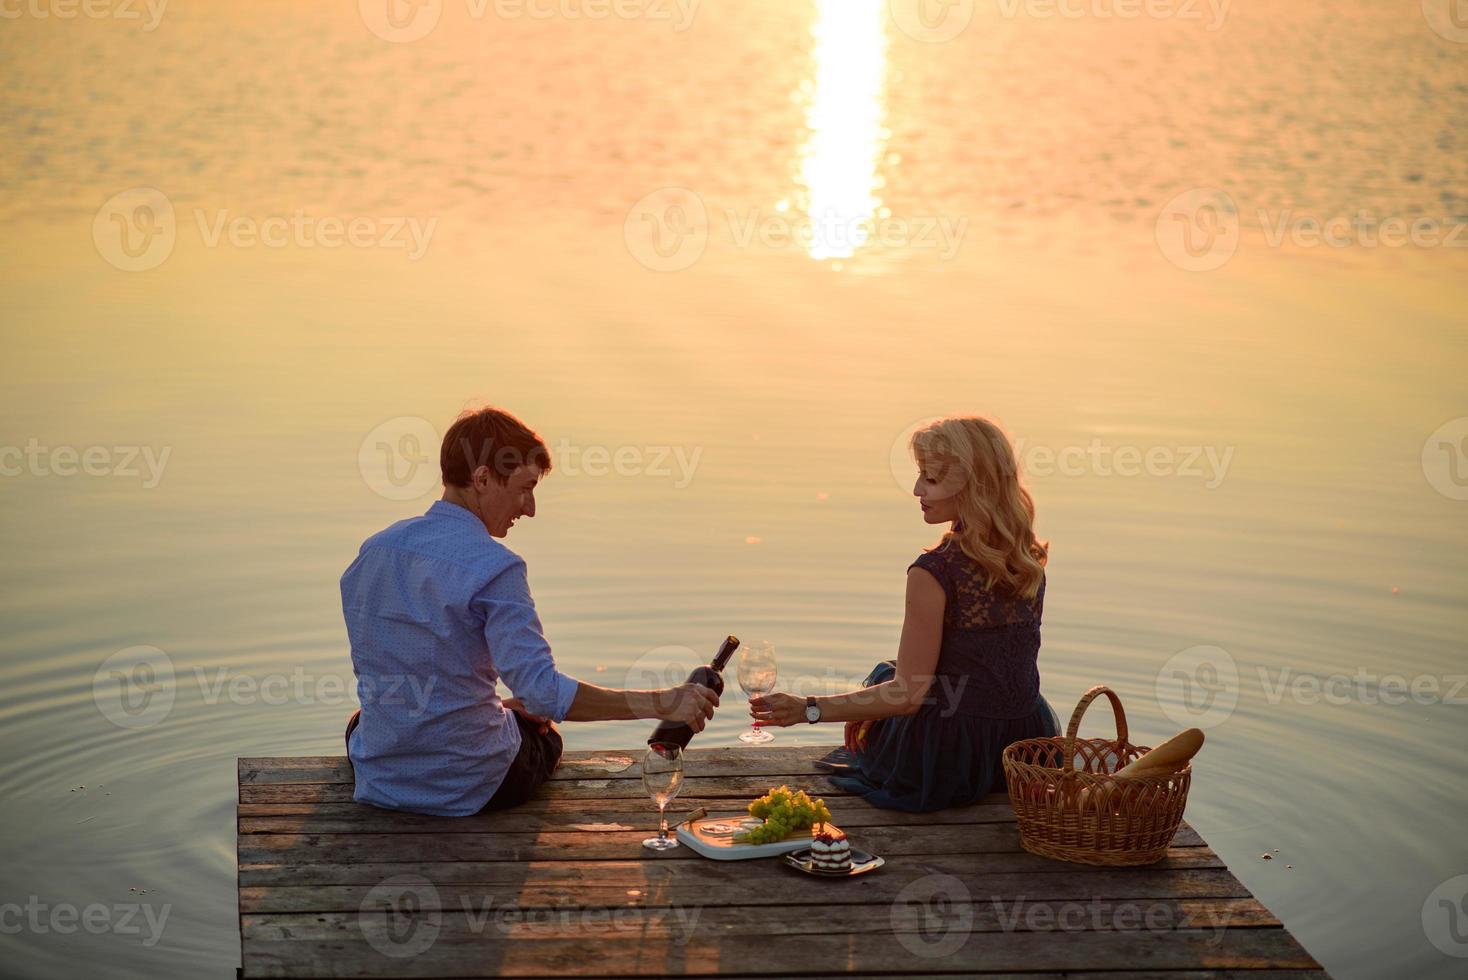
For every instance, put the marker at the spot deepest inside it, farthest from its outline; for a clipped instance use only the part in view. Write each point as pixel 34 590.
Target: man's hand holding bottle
pixel 690 704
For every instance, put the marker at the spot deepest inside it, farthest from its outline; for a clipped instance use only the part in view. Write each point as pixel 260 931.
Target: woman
pixel 928 730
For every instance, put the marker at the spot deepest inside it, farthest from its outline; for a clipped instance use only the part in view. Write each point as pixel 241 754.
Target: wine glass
pixel 662 778
pixel 757 673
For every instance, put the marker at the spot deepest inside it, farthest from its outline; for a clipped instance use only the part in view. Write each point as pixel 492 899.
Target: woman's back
pixel 988 664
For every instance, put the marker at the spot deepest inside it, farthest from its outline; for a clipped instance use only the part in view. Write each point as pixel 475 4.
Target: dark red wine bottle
pixel 710 676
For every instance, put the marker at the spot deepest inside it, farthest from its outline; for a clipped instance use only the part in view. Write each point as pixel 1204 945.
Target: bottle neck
pixel 726 652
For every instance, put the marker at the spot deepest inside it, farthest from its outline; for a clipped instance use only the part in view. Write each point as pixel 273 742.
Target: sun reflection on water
pixel 839 162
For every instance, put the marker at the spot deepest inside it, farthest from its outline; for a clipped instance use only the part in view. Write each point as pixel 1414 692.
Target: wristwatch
pixel 812 710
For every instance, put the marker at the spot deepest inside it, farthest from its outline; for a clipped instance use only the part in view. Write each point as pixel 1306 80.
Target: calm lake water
pixel 1248 446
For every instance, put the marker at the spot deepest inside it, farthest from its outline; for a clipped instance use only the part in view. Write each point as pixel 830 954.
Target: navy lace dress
pixel 986 695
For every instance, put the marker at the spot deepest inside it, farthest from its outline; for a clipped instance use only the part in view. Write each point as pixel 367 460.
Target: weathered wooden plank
pixel 690 885
pixel 597 845
pixel 265 891
pixel 1305 974
pixel 538 815
pixel 616 764
pixel 486 919
pixel 747 787
pixel 261 882
pixel 458 952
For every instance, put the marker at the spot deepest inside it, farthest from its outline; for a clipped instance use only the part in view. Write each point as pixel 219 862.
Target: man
pixel 438 611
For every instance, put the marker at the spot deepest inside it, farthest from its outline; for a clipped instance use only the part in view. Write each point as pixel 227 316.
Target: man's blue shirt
pixel 437 611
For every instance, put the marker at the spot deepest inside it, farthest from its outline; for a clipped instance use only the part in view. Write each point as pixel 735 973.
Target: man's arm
pixel 691 704
pixel 522 656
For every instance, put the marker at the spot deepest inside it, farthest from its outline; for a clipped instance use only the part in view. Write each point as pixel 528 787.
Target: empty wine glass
pixel 662 777
pixel 757 673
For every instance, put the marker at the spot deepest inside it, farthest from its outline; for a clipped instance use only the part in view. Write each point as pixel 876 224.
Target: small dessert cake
pixel 830 852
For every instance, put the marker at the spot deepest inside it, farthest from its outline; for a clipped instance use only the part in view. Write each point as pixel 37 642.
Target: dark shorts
pixel 538 757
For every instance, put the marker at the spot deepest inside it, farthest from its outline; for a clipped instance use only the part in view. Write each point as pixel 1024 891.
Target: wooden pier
pixel 562 887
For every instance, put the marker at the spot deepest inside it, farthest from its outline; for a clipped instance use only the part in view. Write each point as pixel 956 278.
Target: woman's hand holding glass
pixel 757 673
pixel 777 710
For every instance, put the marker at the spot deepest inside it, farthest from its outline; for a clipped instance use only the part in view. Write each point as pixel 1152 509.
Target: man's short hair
pixel 489 437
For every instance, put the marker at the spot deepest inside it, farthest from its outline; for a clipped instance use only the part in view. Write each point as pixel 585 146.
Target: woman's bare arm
pixel 917 660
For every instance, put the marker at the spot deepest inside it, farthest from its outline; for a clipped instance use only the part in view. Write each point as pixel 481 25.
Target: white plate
pixel 720 847
pixel 861 862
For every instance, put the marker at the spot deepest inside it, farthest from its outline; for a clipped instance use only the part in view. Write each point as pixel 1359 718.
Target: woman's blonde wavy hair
pixel 996 515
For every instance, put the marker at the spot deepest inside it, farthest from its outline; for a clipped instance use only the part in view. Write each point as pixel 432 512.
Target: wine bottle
pixel 710 676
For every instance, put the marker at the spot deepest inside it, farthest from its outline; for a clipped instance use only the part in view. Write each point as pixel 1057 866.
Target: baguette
pixel 1170 756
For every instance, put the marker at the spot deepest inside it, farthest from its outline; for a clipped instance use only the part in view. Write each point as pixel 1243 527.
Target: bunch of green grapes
pixel 782 812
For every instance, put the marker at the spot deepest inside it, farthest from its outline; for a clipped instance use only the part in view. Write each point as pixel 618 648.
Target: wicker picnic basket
pixel 1070 806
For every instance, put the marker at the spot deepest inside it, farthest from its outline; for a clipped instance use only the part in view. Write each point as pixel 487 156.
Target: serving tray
pixel 713 838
